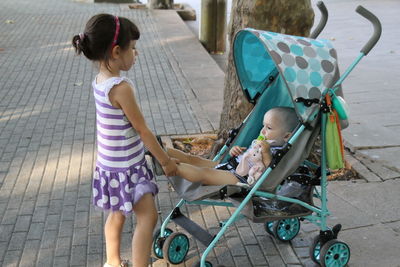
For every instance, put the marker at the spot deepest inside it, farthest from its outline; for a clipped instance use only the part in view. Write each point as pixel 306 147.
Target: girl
pixel 122 181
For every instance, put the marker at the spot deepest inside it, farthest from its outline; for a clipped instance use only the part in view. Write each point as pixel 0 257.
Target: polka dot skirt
pixel 120 191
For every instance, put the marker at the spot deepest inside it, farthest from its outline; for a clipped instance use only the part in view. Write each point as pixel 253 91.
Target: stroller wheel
pixel 207 264
pixel 315 250
pixel 175 248
pixel 286 229
pixel 334 253
pixel 268 226
pixel 158 243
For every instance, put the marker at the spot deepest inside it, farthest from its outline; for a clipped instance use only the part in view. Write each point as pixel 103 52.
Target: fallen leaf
pixel 9 21
pixel 78 84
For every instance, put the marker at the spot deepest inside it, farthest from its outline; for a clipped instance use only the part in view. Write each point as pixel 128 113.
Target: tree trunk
pixel 294 17
pixel 161 4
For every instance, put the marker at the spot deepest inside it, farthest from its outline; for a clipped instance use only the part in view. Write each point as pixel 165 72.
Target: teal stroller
pixel 274 70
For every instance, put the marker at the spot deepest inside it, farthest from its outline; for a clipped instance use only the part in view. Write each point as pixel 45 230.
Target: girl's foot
pixel 124 263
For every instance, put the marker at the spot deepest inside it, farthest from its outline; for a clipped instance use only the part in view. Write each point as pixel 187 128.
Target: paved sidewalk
pixel 47 131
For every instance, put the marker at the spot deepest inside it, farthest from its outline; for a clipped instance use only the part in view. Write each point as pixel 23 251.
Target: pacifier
pixel 261 137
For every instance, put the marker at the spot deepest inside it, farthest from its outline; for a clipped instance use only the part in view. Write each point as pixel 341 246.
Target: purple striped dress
pixel 121 176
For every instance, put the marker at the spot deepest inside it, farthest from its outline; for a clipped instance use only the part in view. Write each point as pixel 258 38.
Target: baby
pixel 278 125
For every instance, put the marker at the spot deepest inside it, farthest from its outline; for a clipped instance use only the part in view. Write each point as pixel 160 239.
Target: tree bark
pixel 294 17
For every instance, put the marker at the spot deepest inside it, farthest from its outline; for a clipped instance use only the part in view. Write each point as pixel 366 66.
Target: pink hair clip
pixel 81 37
pixel 117 26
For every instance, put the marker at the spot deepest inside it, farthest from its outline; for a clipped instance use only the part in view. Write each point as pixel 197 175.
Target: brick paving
pixel 47 142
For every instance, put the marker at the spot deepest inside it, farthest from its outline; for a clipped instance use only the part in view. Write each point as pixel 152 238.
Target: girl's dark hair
pixel 96 40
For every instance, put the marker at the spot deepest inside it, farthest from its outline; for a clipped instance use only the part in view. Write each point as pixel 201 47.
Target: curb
pixel 357 166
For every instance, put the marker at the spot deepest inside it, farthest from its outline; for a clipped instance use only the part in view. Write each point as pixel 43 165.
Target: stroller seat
pixel 260 209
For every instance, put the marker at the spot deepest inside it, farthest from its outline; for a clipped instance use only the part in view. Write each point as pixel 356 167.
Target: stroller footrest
pixel 194 229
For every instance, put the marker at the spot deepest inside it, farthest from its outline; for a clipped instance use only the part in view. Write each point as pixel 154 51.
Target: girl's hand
pixel 236 151
pixel 170 167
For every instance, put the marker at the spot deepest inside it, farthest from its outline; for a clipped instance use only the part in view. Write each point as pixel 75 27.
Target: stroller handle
pixel 377 29
pixel 324 18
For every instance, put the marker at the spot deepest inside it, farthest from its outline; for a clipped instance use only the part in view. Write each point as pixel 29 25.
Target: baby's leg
pixel 191 159
pixel 206 176
pixel 146 219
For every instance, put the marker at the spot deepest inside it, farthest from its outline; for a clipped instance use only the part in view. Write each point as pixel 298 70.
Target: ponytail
pixel 78 43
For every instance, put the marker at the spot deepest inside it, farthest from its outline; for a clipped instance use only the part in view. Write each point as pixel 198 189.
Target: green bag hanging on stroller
pixel 334 142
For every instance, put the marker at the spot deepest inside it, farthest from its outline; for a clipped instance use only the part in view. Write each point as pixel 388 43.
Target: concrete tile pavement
pixel 47 145
pixel 47 130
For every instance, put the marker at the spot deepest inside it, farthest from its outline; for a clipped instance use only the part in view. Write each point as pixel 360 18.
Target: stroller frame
pixel 326 241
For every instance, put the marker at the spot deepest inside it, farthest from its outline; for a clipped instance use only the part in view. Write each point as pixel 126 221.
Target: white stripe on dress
pixel 109 110
pixel 125 142
pixel 129 132
pixel 122 153
pixel 112 121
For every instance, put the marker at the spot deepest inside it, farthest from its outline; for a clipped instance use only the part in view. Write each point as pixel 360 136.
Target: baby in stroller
pixel 278 125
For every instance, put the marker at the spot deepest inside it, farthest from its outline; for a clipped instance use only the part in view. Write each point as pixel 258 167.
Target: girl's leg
pixel 146 219
pixel 191 159
pixel 207 176
pixel 112 229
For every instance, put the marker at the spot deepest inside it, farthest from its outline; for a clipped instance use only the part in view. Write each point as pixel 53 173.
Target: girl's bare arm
pixel 122 96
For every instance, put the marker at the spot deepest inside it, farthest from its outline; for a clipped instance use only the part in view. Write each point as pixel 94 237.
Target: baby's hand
pixel 171 167
pixel 265 145
pixel 236 151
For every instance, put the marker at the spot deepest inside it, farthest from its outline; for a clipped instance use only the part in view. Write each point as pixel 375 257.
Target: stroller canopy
pixel 306 66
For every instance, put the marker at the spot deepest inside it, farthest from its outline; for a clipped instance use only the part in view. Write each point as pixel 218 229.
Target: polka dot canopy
pixel 307 66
